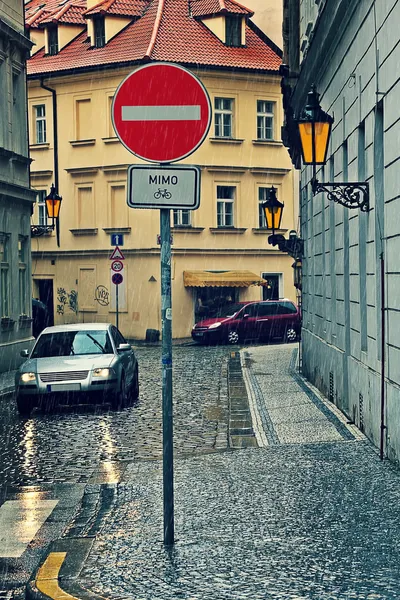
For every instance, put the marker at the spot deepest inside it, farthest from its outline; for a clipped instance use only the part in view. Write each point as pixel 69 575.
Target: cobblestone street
pixel 94 445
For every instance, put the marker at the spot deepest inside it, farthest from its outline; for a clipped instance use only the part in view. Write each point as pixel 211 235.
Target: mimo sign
pixel 163 187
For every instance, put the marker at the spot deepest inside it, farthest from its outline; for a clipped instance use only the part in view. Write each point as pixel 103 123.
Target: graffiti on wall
pixel 102 295
pixel 66 299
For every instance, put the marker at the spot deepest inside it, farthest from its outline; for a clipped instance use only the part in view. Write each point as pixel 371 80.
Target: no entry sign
pixel 161 112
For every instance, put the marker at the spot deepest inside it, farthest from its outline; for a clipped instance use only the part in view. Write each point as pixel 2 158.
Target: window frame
pixel 233 31
pixel 222 203
pixel 52 40
pixel 263 116
pixel 224 117
pixel 41 205
pixel 40 121
pixel 99 31
pixel 4 276
pixel 178 215
pixel 23 274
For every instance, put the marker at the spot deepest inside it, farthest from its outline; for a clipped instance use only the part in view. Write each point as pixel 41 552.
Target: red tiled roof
pixel 123 8
pixel 69 14
pixel 203 8
pixel 165 32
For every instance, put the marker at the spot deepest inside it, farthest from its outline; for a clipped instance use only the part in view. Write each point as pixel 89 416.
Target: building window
pixel 22 274
pixel 52 36
pixel 18 112
pixel 262 197
pixel 225 200
pixel 233 31
pixel 41 207
pixel 182 218
pixel 99 32
pixel 223 116
pixel 271 290
pixel 265 120
pixel 40 123
pixel 4 276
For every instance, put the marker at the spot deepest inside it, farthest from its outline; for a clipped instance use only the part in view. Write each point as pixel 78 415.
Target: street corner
pixel 58 573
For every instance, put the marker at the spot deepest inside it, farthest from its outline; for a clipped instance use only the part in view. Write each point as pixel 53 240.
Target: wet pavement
pixel 93 444
pixel 276 495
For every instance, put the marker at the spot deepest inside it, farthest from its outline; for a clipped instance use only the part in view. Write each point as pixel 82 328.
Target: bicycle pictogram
pixel 162 194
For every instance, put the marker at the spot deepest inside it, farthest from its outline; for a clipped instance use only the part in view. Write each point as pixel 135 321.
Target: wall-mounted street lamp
pixel 53 205
pixel 273 210
pixel 297 273
pixel 315 127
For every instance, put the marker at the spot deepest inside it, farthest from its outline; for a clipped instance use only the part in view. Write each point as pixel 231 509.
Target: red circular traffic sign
pixel 117 265
pixel 117 278
pixel 161 112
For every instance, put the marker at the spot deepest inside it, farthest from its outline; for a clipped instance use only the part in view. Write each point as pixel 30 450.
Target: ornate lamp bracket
pixel 39 230
pixel 350 195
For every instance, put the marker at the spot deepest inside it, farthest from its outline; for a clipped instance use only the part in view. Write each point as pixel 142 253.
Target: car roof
pixel 264 301
pixel 77 327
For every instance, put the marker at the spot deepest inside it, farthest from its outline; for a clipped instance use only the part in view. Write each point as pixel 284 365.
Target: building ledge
pixel 265 230
pixel 83 170
pixel 90 142
pixel 186 229
pixel 228 229
pixel 44 146
pixel 87 231
pixel 41 174
pixel 226 140
pixel 267 143
pixel 110 140
pixel 225 169
pixel 269 171
pixel 117 229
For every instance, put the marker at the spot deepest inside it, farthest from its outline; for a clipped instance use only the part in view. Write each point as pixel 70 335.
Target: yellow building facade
pixel 226 233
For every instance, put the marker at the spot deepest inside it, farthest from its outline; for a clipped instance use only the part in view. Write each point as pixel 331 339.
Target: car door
pixel 248 322
pixel 126 357
pixel 265 319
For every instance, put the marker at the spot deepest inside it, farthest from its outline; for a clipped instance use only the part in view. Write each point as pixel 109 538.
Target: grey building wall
pixel 352 53
pixel 15 196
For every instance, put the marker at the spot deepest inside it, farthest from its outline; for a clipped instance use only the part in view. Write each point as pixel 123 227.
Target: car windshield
pixel 227 310
pixel 72 343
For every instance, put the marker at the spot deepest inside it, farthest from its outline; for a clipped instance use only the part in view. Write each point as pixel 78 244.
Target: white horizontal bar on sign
pixel 161 113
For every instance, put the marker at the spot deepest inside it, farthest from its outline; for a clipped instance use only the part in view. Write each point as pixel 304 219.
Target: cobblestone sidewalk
pixel 312 514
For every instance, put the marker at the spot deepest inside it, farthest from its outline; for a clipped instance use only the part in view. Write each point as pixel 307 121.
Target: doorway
pixel 46 295
pixel 271 290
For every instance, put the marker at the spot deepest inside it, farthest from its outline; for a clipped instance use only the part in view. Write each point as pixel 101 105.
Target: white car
pixel 84 361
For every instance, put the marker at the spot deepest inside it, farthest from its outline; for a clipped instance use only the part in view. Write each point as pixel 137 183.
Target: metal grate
pixel 361 410
pixel 65 376
pixel 331 387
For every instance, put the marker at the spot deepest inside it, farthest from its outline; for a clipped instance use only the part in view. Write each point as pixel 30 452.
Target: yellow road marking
pixel 47 577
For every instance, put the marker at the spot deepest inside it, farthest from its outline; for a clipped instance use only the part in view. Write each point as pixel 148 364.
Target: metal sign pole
pixel 116 305
pixel 166 321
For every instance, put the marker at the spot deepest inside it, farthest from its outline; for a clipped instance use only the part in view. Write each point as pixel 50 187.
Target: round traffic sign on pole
pixel 117 278
pixel 117 265
pixel 161 112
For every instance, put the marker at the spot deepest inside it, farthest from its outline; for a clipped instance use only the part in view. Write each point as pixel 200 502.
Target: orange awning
pixel 221 279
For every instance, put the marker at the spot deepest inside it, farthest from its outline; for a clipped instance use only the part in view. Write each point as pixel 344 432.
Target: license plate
pixel 199 334
pixel 64 387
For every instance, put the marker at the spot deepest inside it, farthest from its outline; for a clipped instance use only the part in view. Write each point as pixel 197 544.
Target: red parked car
pixel 250 321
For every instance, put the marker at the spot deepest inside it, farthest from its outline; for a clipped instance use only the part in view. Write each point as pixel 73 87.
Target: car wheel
pixel 120 398
pixel 290 335
pixel 135 386
pixel 25 405
pixel 233 337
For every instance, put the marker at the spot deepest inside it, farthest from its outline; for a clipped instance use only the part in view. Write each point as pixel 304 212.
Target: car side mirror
pixel 124 347
pixel 24 353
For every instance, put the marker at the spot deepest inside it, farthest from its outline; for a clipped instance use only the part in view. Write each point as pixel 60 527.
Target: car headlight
pixel 26 377
pixel 103 373
pixel 214 325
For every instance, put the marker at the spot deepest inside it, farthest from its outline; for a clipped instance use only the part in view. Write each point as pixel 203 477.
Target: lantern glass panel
pixel 314 141
pixel 273 216
pixel 53 207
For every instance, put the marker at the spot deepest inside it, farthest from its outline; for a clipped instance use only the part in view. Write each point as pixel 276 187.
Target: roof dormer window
pixel 233 31
pixel 99 32
pixel 52 37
